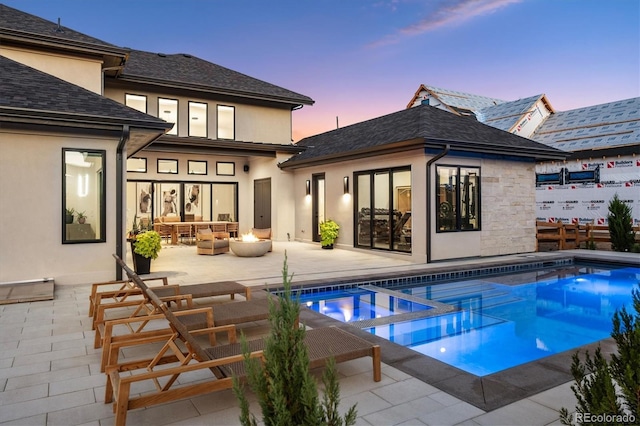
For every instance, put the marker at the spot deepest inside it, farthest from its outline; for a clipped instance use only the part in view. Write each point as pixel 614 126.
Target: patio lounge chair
pixel 223 313
pixel 223 361
pixel 128 291
pixel 113 289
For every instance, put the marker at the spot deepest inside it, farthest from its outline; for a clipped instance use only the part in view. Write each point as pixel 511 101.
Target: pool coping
pixel 484 392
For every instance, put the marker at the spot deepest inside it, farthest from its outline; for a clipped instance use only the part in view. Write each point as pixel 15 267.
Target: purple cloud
pixel 447 14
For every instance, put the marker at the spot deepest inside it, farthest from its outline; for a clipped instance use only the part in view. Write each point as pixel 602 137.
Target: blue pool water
pixel 359 304
pixel 498 322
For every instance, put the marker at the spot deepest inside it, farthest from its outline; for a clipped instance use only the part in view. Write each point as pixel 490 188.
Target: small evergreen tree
pixel 611 388
pixel 286 390
pixel 620 225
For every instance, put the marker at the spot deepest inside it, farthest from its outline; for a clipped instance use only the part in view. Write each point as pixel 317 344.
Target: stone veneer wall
pixel 508 207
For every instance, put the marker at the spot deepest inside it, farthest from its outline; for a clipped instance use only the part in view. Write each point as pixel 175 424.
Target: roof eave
pixel 23 115
pixel 543 153
pixel 41 40
pixel 474 147
pixel 355 155
pixel 214 90
pixel 171 143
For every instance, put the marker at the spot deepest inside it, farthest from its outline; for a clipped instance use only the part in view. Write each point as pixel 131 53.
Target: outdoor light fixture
pixel 345 183
pixel 308 187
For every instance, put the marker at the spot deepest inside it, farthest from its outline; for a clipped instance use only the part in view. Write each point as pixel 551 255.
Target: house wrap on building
pixel 604 142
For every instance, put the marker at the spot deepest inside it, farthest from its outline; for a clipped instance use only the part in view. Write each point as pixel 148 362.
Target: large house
pixel 119 134
pixel 604 142
pixel 96 137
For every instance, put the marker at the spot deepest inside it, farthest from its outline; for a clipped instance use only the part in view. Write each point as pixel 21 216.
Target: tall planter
pixel 141 264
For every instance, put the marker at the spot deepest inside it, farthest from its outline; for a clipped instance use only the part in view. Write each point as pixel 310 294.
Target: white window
pixel 226 122
pixel 137 165
pixel 197 119
pixel 138 102
pixel 168 111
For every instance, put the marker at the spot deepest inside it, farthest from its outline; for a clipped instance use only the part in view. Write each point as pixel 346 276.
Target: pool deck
pixel 49 371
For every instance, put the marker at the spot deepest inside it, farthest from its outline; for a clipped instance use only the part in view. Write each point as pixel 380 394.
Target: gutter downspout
pixel 120 170
pixel 429 163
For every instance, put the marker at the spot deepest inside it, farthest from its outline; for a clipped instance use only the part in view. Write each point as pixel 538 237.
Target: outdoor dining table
pixel 174 227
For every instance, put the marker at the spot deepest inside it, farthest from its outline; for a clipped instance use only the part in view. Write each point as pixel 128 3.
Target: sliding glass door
pixel 383 209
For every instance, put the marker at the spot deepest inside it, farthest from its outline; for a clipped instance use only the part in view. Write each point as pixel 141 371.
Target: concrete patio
pixel 49 370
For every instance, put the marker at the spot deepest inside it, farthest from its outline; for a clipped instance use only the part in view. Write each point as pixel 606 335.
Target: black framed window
pixel 226 117
pixel 457 198
pixel 137 165
pixel 383 209
pixel 197 119
pixel 167 166
pixel 168 111
pixel 138 102
pixel 225 168
pixel 83 196
pixel 197 167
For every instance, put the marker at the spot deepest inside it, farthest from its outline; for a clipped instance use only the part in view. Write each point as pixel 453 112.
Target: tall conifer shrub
pixel 620 225
pixel 283 384
pixel 610 388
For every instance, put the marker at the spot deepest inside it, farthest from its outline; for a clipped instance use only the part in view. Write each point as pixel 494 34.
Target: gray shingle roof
pixel 175 70
pixel 16 21
pixel 24 88
pixel 424 124
pixel 191 72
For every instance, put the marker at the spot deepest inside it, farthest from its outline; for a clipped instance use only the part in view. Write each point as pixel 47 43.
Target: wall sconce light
pixel 308 187
pixel 345 184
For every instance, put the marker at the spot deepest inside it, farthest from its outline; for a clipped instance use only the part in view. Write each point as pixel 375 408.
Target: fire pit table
pixel 249 248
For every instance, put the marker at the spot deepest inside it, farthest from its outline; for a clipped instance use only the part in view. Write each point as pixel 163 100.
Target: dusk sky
pixel 362 59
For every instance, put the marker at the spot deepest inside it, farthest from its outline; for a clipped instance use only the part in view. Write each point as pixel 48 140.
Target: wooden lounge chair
pixel 141 328
pixel 128 291
pixel 223 313
pixel 223 361
pixel 112 288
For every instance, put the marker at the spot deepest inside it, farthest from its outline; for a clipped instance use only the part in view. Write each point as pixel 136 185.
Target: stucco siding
pixel 31 186
pixel 340 206
pixel 85 73
pixel 252 123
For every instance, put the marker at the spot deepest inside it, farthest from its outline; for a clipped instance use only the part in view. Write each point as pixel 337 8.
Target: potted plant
pixel 328 233
pixel 82 218
pixel 69 215
pixel 145 247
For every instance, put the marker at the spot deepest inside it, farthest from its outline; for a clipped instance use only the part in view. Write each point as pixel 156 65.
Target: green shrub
pixel 285 388
pixel 328 232
pixel 148 244
pixel 620 225
pixel 611 388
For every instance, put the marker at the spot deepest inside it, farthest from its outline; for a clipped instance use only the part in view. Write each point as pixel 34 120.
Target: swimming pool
pixel 361 304
pixel 497 322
